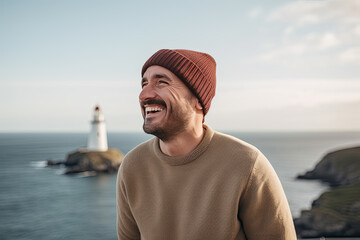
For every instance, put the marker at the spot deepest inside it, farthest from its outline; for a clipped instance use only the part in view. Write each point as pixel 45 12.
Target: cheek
pixel 175 95
pixel 169 96
pixel 186 98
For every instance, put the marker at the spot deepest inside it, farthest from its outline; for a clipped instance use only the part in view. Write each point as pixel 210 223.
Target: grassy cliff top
pixel 343 202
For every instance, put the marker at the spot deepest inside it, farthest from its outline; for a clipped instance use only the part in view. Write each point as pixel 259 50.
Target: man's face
pixel 167 105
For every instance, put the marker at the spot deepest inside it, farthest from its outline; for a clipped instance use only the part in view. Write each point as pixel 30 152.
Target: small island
pixel 96 157
pixel 83 160
pixel 336 213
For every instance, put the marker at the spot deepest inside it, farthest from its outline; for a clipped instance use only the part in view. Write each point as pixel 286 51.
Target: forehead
pixel 154 72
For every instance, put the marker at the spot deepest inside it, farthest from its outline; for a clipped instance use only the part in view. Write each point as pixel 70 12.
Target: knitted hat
pixel 196 69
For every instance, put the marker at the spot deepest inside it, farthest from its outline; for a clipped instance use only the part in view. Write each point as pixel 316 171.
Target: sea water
pixel 38 202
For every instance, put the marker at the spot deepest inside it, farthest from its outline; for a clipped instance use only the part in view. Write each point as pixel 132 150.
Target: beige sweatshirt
pixel 224 189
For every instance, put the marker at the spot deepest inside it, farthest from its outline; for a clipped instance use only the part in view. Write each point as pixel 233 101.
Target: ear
pixel 198 105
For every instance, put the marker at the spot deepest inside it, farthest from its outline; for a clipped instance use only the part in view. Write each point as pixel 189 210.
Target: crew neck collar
pixel 191 156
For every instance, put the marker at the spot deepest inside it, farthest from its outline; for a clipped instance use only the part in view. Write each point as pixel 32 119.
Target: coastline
pixel 336 213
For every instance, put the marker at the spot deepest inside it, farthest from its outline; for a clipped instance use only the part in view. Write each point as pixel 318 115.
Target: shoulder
pixel 245 157
pixel 227 143
pixel 134 158
pixel 232 154
pixel 243 149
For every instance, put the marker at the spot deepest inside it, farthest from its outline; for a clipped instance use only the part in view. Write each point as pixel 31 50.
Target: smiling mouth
pixel 153 106
pixel 152 109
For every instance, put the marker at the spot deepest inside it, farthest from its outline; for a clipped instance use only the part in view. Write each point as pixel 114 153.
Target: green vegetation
pixel 336 213
pixel 341 201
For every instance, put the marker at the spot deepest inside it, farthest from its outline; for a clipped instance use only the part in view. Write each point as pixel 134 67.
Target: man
pixel 191 182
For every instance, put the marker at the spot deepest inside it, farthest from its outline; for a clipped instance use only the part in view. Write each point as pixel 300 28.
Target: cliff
pixel 336 213
pixel 337 168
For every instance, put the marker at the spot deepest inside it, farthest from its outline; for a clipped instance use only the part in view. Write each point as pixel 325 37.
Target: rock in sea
pixel 84 160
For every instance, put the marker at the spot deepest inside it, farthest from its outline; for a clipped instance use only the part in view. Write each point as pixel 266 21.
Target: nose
pixel 148 92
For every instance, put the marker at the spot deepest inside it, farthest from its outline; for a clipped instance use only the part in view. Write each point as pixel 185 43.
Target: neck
pixel 184 142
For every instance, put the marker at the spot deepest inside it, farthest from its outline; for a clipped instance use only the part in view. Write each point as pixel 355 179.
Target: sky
pixel 281 65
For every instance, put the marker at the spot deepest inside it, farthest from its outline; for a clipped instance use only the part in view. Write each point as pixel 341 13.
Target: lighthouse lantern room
pixel 97 140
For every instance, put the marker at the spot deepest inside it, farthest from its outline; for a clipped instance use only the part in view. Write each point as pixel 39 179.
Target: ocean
pixel 38 202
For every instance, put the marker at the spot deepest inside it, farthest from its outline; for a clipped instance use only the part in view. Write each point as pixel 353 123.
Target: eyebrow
pixel 157 76
pixel 162 76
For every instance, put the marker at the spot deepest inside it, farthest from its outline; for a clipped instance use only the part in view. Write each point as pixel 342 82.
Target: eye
pixel 163 82
pixel 143 84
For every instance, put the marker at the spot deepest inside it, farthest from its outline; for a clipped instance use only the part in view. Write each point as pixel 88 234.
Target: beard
pixel 169 128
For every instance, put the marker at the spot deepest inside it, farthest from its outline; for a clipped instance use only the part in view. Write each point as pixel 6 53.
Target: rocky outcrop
pixel 336 213
pixel 337 168
pixel 53 163
pixel 83 160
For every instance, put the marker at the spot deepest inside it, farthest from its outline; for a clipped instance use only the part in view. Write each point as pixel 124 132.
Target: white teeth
pixel 153 109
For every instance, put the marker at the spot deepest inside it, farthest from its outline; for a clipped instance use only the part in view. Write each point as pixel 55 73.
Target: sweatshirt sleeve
pixel 263 209
pixel 127 228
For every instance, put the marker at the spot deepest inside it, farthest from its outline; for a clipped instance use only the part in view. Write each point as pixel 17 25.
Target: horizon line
pixel 219 130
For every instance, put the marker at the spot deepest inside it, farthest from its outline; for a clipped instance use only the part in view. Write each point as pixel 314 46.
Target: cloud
pixel 288 30
pixel 309 43
pixel 351 55
pixel 274 94
pixel 315 12
pixel 291 104
pixel 68 83
pixel 325 117
pixel 255 13
pixel 315 28
pixel 357 30
pixel 327 40
pixel 302 12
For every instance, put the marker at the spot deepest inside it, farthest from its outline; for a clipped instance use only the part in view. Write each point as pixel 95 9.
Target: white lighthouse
pixel 97 140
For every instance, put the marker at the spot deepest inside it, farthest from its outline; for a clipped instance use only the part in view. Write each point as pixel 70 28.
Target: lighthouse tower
pixel 97 140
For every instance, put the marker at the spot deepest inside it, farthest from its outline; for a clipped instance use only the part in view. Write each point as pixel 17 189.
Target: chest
pixel 191 201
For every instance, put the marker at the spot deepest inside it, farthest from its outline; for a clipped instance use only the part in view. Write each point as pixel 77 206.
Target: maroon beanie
pixel 196 69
